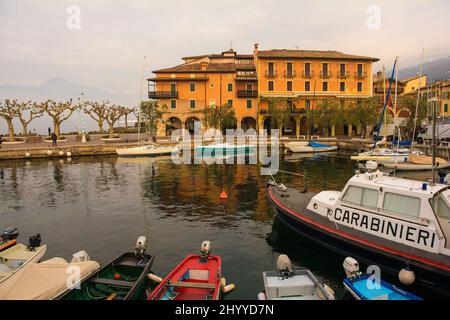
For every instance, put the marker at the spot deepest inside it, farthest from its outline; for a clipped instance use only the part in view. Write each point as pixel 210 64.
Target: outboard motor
pixel 205 249
pixel 351 267
pixel 10 234
pixel 34 241
pixel 284 266
pixel 141 245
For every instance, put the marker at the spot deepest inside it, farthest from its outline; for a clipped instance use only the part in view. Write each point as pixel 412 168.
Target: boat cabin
pixel 411 212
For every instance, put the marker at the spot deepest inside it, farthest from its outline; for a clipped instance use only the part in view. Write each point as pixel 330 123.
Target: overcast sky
pixel 107 51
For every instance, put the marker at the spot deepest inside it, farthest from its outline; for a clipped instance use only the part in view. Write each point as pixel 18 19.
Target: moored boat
pixel 288 283
pixel 368 287
pixel 48 279
pixel 8 238
pixel 18 256
pixel 384 155
pixel 379 220
pixel 197 277
pixel 418 163
pixel 309 147
pixel 147 150
pixel 124 278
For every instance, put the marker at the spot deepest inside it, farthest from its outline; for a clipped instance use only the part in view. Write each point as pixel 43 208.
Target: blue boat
pixel 365 287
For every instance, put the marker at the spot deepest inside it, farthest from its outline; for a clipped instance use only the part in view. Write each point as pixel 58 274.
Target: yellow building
pixel 299 78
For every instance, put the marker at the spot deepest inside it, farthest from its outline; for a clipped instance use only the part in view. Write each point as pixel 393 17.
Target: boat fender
pixel 49 152
pixel 154 278
pixel 351 267
pixel 228 288
pixel 141 245
pixel 407 276
pixel 27 155
pixel 262 296
pixel 223 283
pixel 61 153
pixel 329 290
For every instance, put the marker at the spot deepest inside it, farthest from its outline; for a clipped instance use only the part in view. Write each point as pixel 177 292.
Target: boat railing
pixel 283 174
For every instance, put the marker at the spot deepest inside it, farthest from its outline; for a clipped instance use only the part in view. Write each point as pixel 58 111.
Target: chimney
pixel 203 65
pixel 255 51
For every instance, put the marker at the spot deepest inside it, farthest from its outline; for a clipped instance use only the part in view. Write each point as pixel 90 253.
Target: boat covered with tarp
pixel 309 147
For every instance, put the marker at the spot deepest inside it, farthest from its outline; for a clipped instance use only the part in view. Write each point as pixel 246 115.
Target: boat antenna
pixel 385 103
pixel 140 101
pixel 418 98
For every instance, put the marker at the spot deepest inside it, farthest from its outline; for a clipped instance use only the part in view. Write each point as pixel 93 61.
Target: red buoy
pixel 223 195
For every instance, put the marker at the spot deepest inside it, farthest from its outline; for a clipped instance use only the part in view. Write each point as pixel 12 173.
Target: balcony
pixel 325 75
pixel 271 74
pixel 360 75
pixel 163 94
pixel 343 75
pixel 308 75
pixel 291 74
pixel 247 93
pixel 381 90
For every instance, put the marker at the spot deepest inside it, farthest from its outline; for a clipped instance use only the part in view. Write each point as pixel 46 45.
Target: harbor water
pixel 102 204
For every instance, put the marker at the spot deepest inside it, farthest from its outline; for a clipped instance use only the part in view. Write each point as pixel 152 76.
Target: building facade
pixel 298 79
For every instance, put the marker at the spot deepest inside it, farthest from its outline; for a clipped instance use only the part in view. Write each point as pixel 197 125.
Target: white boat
pixel 384 155
pixel 418 163
pixel 293 284
pixel 48 279
pixel 147 150
pixel 308 147
pixel 15 258
pixel 380 220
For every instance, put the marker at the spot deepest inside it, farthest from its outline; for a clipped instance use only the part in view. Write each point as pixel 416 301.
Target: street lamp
pixel 83 129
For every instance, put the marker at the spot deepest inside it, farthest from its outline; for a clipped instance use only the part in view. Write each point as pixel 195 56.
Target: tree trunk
pixel 10 130
pixel 100 126
pixel 111 130
pixel 24 126
pixel 56 128
pixel 126 121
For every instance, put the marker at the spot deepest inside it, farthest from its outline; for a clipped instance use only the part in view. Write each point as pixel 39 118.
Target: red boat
pixel 197 277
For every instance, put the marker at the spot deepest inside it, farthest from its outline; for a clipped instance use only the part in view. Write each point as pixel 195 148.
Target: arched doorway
pixel 248 123
pixel 190 124
pixel 173 123
pixel 289 128
pixel 304 126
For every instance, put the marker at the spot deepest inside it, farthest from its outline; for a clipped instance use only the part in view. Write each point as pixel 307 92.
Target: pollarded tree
pixel 97 111
pixel 33 111
pixel 280 114
pixel 8 112
pixel 58 111
pixel 409 103
pixel 113 114
pixel 126 112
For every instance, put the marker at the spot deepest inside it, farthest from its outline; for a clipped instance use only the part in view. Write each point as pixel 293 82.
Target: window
pixel 211 85
pixel 271 86
pixel 308 69
pixel 325 86
pixel 325 69
pixel 173 104
pixel 360 70
pixel 249 104
pixel 307 86
pixel 360 87
pixel 361 196
pixel 249 87
pixel 289 86
pixel 230 102
pixel 289 104
pixel 173 87
pixel 342 69
pixel 192 104
pixel 342 86
pixel 446 107
pixel 401 204
pixel 442 209
pixel 307 104
pixel 289 69
pixel 230 87
pixel 192 87
pixel 270 68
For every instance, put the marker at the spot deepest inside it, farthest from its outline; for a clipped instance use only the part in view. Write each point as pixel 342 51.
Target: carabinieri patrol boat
pixel 401 225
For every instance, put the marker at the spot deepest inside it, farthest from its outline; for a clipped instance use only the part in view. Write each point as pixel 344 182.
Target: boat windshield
pixel 441 205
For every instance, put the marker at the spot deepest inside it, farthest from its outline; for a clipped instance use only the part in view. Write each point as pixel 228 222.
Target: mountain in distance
pixel 436 70
pixel 62 90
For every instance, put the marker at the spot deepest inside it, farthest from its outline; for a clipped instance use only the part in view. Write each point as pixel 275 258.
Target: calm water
pixel 103 204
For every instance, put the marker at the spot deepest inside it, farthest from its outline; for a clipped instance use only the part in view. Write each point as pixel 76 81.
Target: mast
pixel 418 99
pixel 384 99
pixel 434 144
pixel 395 107
pixel 140 101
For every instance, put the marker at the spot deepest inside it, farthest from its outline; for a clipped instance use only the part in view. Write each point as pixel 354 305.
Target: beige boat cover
pixel 45 280
pixel 420 159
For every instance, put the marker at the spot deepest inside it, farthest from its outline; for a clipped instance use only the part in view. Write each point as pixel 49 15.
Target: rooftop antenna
pixel 297 46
